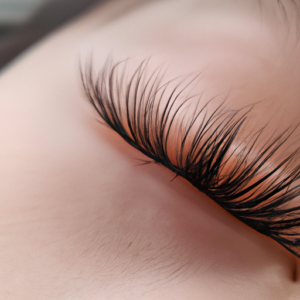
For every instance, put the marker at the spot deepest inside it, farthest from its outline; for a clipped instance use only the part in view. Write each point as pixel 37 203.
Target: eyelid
pixel 207 151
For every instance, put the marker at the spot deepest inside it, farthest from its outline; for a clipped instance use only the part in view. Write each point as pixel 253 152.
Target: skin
pixel 78 218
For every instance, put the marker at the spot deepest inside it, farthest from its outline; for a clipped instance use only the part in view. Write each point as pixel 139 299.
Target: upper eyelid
pixel 145 125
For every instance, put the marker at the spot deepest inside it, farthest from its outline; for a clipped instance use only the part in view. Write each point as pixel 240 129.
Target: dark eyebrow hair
pixel 284 5
pixel 289 11
pixel 255 182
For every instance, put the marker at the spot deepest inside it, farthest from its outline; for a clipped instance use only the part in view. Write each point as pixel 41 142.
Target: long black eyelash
pixel 204 148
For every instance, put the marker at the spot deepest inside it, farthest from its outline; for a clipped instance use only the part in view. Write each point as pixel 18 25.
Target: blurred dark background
pixel 23 22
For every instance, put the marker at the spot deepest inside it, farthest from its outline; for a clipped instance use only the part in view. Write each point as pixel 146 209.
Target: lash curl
pixel 255 183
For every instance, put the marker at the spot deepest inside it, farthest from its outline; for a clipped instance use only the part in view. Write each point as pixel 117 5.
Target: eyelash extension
pixel 255 183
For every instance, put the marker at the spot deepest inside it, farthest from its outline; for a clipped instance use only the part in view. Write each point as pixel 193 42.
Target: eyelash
pixel 235 179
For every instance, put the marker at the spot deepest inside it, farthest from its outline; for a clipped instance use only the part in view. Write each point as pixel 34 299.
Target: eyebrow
pixel 284 5
pixel 255 183
pixel 290 13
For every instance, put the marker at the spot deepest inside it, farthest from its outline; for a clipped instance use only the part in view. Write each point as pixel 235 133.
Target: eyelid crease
pixel 255 183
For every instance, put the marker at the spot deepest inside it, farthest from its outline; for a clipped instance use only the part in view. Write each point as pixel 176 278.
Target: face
pixel 81 216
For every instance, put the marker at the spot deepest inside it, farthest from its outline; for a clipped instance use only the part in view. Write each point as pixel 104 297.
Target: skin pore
pixel 78 218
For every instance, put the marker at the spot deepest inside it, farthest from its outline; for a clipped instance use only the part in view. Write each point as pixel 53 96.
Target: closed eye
pixel 255 181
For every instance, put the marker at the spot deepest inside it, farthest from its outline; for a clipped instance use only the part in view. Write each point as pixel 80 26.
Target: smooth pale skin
pixel 78 219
